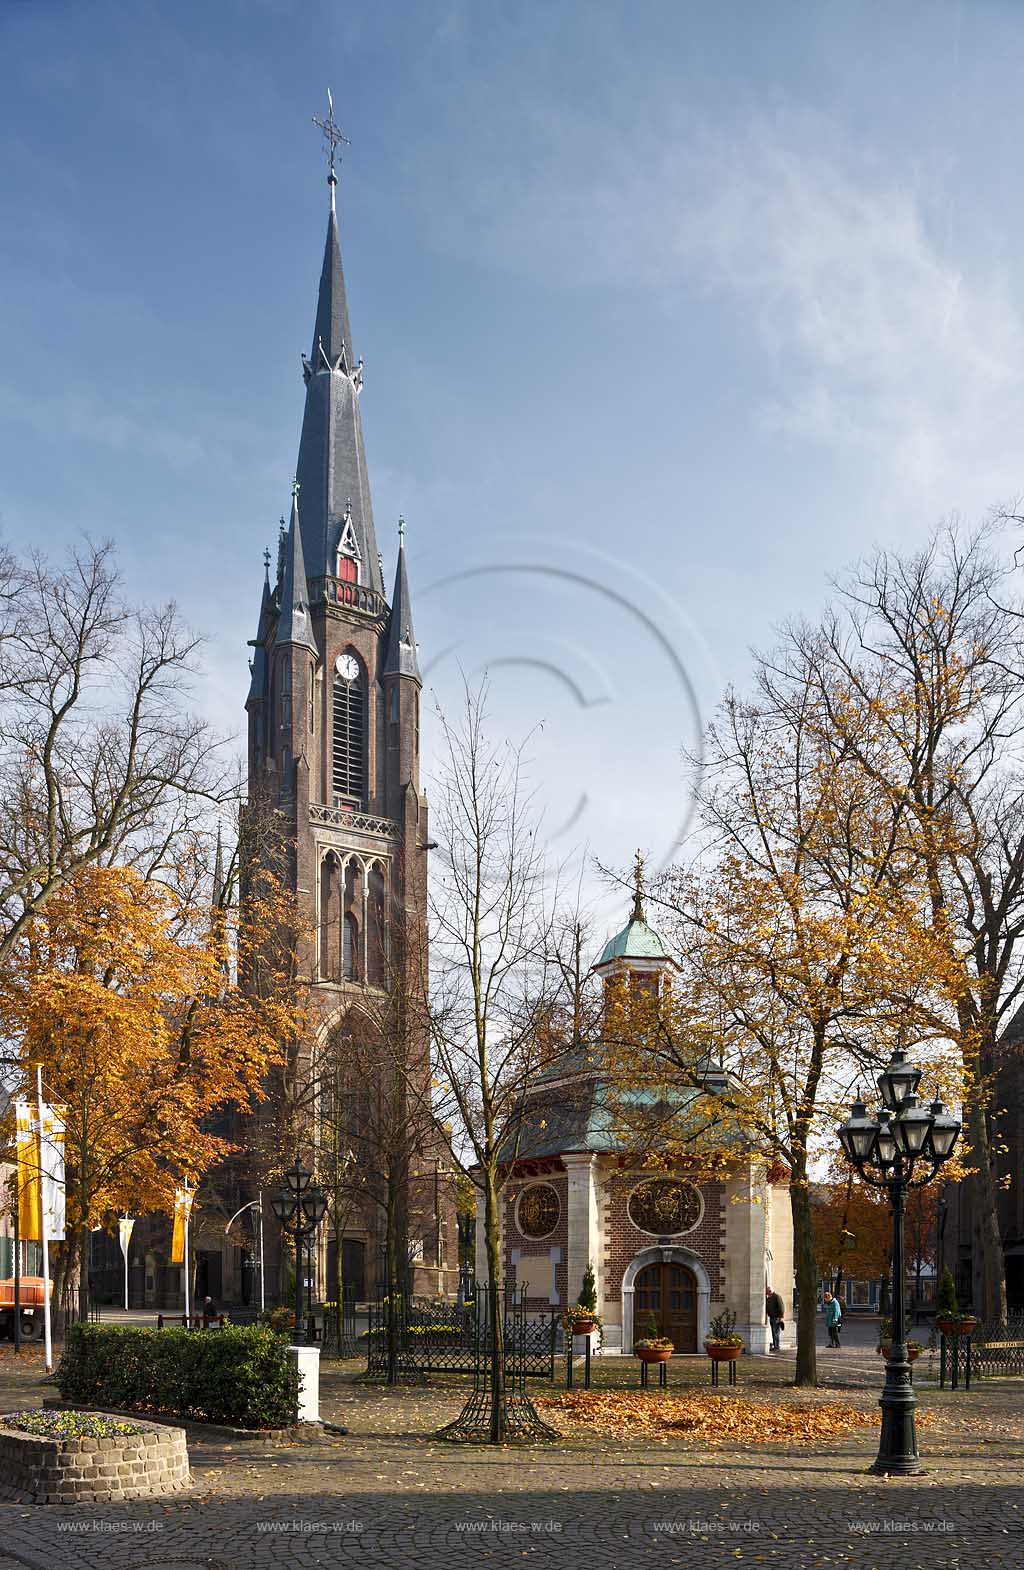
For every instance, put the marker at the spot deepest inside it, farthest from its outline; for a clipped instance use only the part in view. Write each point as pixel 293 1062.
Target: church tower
pixel 334 702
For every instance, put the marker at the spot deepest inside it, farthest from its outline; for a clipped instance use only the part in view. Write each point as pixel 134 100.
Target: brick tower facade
pixel 334 749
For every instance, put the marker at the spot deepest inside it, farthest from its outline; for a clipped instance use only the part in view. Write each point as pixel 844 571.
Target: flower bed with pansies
pixel 69 1457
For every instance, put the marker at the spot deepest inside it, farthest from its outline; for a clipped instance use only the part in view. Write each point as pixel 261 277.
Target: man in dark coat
pixel 776 1317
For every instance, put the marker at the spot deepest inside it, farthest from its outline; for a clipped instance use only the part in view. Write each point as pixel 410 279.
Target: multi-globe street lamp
pixel 902 1147
pixel 300 1207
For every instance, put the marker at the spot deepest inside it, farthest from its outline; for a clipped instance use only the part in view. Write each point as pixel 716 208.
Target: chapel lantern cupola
pixel 637 955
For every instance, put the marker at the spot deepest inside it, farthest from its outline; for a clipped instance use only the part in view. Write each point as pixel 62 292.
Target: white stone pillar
pixel 746 1239
pixel 581 1225
pixel 307 1360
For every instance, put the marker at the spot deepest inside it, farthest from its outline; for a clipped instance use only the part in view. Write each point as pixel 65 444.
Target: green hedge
pixel 240 1375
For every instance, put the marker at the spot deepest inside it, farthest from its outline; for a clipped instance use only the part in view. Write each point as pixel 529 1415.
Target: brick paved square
pixel 392 1496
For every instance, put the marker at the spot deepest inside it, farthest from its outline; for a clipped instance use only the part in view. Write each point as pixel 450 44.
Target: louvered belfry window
pixel 349 732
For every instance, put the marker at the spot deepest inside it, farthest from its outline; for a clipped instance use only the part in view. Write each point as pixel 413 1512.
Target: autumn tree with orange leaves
pixel 805 943
pixel 127 995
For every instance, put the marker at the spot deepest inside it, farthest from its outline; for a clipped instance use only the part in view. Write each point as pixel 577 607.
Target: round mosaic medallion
pixel 664 1207
pixel 539 1210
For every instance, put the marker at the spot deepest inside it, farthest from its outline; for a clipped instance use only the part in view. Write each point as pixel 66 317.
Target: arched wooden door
pixel 669 1292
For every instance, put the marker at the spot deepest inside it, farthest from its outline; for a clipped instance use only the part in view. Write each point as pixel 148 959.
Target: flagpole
pixel 187 1208
pixel 127 1243
pixel 263 1289
pixel 17 1274
pixel 43 1238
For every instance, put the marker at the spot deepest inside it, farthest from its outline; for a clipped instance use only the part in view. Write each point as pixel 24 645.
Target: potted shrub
pixel 279 1318
pixel 884 1348
pixel 948 1315
pixel 582 1317
pixel 579 1320
pixel 721 1343
pixel 653 1347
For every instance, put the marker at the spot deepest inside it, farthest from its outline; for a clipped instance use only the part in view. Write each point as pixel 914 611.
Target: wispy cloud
pixel 871 334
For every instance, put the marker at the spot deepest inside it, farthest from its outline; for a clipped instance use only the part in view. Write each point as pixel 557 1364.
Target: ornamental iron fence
pixel 997 1350
pixel 442 1338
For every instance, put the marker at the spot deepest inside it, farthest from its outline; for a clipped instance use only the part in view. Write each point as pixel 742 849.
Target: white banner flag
pixel 124 1232
pixel 52 1162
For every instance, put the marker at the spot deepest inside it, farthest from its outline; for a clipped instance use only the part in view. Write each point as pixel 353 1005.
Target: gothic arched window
pixel 376 953
pixel 330 913
pixel 349 948
pixel 352 960
pixel 348 729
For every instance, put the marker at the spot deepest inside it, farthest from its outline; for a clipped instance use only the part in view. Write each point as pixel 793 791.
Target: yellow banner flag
pixel 182 1208
pixel 29 1170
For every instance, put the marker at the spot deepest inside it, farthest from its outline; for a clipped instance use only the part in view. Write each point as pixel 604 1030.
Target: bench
pixel 193 1321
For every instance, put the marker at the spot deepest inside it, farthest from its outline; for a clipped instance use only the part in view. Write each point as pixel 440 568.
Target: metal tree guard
pixel 518 1421
pixel 886 1151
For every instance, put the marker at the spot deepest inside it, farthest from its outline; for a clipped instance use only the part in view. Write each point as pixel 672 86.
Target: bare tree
pixel 490 953
pixel 374 1120
pixel 99 757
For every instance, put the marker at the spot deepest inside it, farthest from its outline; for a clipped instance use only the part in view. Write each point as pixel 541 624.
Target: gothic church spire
pixel 331 465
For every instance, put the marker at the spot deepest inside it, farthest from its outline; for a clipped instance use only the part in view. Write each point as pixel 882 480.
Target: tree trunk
pixel 806 1281
pixel 337 1286
pixel 989 1270
pixel 82 1251
pixel 395 1283
pixel 495 1304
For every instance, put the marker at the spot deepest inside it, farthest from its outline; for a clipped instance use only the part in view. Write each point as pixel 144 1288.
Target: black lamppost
pixel 300 1207
pixel 464 1221
pixel 901 1148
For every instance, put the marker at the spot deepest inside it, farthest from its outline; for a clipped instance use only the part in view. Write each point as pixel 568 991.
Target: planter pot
pixel 584 1327
pixel 651 1354
pixel 968 1324
pixel 722 1354
pixel 912 1352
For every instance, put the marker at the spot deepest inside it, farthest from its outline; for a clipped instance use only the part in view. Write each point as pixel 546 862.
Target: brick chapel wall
pixel 530 1248
pixel 623 1241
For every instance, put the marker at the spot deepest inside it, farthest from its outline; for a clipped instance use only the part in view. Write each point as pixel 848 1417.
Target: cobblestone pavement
pixel 391 1496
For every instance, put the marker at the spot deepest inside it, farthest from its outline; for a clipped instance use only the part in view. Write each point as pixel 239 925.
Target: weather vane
pixel 638 887
pixel 332 134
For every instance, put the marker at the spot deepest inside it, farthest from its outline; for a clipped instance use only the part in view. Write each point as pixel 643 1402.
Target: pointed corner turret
pixel 218 873
pixel 294 622
pixel 400 656
pixel 258 663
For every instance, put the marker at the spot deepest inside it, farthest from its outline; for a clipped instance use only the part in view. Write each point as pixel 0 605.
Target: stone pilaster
pixel 583 1240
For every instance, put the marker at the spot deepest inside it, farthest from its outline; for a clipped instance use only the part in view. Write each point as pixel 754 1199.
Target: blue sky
pixel 669 311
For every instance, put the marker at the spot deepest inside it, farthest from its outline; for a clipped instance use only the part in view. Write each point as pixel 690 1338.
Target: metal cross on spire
pixel 638 887
pixel 332 135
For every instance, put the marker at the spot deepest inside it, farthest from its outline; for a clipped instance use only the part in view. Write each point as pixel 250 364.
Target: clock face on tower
pixel 347 667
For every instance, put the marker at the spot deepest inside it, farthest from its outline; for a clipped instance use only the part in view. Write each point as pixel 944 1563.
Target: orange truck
pixel 31 1307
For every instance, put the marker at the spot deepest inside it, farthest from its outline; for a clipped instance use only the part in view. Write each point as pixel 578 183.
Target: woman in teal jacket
pixel 833 1318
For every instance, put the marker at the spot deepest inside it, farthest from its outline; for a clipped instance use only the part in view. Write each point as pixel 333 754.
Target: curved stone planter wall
pixel 72 1471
